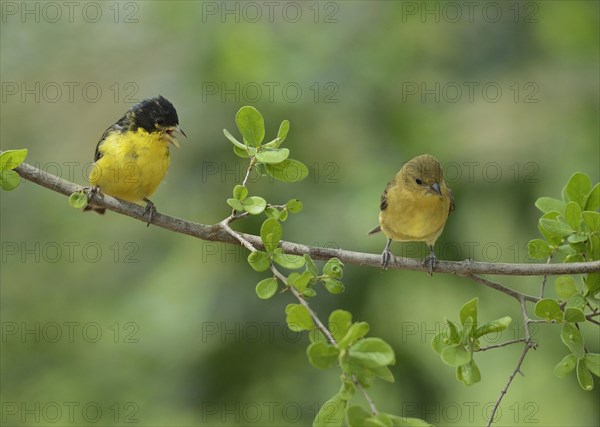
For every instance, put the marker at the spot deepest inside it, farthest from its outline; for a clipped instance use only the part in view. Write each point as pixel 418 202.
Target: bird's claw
pixel 430 261
pixel 386 257
pixel 149 211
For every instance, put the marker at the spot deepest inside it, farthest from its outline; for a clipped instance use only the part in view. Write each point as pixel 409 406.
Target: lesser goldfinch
pixel 415 206
pixel 132 156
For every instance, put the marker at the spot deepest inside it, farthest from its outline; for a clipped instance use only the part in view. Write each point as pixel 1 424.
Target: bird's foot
pixel 386 257
pixel 149 211
pixel 430 261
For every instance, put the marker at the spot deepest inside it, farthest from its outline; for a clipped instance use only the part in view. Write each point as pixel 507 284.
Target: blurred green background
pixel 105 321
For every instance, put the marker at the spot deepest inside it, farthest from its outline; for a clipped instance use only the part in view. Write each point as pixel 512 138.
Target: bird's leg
pixel 430 260
pixel 386 256
pixel 149 211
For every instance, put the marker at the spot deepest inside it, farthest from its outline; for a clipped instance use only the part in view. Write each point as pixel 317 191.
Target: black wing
pixel 120 126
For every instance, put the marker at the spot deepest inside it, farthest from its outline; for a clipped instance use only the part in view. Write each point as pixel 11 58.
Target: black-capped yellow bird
pixel 132 156
pixel 415 206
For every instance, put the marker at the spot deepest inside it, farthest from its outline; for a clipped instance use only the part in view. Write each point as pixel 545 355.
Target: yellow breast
pixel 132 166
pixel 411 216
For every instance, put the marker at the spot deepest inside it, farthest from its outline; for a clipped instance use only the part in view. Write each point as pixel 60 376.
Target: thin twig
pixel 544 278
pixel 504 344
pixel 319 324
pixel 216 233
pixel 501 288
pixel 528 346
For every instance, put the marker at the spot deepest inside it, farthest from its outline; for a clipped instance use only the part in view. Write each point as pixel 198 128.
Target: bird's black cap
pixel 154 113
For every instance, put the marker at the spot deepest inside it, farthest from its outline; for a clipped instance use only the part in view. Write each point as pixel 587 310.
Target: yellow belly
pixel 408 219
pixel 132 165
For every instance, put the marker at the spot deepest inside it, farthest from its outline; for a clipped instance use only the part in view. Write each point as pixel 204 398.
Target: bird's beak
pixel 436 187
pixel 172 139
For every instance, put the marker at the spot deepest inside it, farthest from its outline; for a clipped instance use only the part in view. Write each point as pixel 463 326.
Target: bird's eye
pixel 418 181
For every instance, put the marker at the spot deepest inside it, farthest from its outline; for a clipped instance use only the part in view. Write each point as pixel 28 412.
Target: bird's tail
pixel 375 230
pixel 94 208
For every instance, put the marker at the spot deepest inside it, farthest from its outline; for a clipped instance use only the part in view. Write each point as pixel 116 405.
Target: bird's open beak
pixel 172 139
pixel 436 187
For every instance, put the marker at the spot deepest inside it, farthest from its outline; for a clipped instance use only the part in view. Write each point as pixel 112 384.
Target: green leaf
pixel 379 420
pixel 565 366
pixel 334 268
pixel 251 125
pixel 574 315
pixel 78 200
pixel 538 249
pixel 309 293
pixel 241 152
pixel 266 288
pixel 233 140
pixel 549 204
pixel 294 206
pixel 270 234
pixel 259 261
pixel 331 413
pixel 592 284
pixel 571 337
pixel 340 322
pixel 453 333
pixel 284 128
pixel 455 355
pixel 288 171
pixel 254 205
pixel 573 215
pixel 592 362
pixel 493 326
pixel 9 180
pixel 322 355
pixel 240 192
pixel 235 204
pixel 300 281
pixel 314 335
pixel 584 376
pixel 10 159
pixel 469 373
pixel 551 238
pixel 372 353
pixel 593 199
pixel 310 265
pixel 347 390
pixel 272 155
pixel 356 331
pixel 297 318
pixel 440 342
pixel 576 300
pixel 592 220
pixel 548 309
pixel 334 287
pixel 578 188
pixel 469 310
pixel 565 286
pixel 577 237
pixel 272 212
pixel 384 373
pixel 555 227
pixel 288 261
pixel 356 416
pixel 283 215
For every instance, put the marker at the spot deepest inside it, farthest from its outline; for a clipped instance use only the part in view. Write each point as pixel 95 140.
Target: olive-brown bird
pixel 415 206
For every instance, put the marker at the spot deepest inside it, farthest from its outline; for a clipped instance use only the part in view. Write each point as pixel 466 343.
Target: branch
pixel 320 326
pixel 215 233
pixel 529 344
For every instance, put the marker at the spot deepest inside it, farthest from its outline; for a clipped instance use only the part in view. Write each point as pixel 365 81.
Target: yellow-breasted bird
pixel 415 206
pixel 132 156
